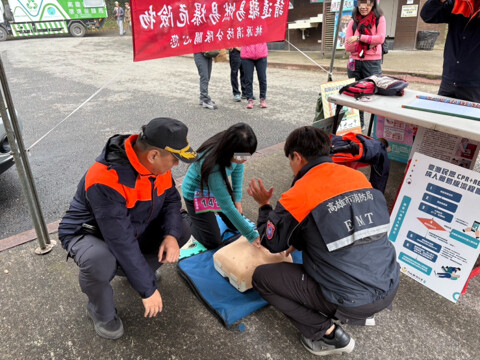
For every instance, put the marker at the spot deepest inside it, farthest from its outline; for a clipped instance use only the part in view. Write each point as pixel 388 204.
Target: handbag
pixel 211 54
pixel 359 88
pixel 388 85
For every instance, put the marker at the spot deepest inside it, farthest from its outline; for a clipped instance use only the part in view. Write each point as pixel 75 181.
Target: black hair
pixel 308 141
pixel 219 150
pixel 141 141
pixel 377 11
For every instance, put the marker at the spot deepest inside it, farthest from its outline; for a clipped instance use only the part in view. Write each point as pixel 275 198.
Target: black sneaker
pixel 342 342
pixel 111 330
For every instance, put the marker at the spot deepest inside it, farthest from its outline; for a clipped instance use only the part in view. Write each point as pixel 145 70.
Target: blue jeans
pixel 235 67
pixel 261 66
pixel 204 66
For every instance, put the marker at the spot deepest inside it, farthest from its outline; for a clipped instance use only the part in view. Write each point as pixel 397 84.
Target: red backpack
pixel 359 88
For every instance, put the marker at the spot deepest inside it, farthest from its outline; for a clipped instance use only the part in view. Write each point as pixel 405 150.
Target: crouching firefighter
pixel 339 222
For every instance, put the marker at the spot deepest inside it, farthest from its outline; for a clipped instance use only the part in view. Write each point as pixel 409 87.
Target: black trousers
pixel 98 266
pixel 235 68
pixel 462 93
pixel 204 226
pixel 364 69
pixel 296 294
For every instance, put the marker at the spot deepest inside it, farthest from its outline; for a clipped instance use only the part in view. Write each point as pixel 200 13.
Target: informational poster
pixel 399 135
pixel 347 5
pixel 351 120
pixel 409 11
pixel 456 150
pixel 173 27
pixel 435 224
pixel 342 33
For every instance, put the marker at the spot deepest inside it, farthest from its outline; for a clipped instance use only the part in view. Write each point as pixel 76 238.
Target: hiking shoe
pixel 111 330
pixel 250 104
pixel 370 321
pixel 342 342
pixel 209 105
pixel 237 98
pixel 263 103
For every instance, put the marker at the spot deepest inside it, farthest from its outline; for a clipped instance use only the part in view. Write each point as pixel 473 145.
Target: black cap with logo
pixel 171 135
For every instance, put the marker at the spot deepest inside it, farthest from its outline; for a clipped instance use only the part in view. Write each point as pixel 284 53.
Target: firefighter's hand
pixel 153 304
pixel 258 192
pixel 169 251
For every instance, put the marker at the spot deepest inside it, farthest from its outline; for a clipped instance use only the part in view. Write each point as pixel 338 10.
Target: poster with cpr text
pixel 435 224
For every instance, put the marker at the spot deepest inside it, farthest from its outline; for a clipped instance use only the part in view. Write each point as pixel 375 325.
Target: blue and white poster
pixel 435 224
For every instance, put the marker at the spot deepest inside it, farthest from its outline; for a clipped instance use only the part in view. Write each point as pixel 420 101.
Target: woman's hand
pixel 257 242
pixel 353 39
pixel 238 205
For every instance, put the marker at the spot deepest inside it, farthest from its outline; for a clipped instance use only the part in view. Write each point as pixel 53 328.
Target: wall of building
pixel 303 9
pixel 408 27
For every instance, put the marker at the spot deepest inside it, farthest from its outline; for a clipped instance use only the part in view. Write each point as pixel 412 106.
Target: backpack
pixel 384 44
pixel 359 88
pixel 388 85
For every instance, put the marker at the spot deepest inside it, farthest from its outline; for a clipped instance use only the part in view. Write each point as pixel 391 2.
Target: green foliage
pixel 110 5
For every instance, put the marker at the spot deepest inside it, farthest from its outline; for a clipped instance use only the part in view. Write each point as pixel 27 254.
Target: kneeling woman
pixel 207 190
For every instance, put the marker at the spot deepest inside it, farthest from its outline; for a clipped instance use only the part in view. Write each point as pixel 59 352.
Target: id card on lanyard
pixel 204 202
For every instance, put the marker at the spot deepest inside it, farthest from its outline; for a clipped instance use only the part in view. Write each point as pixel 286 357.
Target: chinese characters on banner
pixel 172 28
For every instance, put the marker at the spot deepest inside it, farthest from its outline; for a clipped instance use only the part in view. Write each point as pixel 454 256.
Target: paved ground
pixel 43 311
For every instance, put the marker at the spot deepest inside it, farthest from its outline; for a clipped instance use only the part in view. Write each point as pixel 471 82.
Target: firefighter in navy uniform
pixel 339 222
pixel 126 215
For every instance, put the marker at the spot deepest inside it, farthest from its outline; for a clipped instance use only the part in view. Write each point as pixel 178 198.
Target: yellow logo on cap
pixel 183 152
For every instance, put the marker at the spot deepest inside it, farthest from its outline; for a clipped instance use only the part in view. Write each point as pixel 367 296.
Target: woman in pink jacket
pixel 365 35
pixel 255 57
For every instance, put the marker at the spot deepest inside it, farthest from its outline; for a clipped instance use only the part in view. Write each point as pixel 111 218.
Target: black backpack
pixel 384 45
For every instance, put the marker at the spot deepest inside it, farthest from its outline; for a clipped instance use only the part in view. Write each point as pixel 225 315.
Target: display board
pixel 447 147
pixel 351 120
pixel 435 224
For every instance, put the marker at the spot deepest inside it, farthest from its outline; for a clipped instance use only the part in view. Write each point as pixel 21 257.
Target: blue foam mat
pixel 219 296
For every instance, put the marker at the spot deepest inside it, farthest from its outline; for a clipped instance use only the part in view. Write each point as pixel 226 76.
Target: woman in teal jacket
pixel 207 190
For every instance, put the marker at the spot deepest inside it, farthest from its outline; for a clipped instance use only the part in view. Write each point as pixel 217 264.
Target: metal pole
pixel 335 40
pixel 15 140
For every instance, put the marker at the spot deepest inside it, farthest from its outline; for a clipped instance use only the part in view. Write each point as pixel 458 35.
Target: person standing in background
pixel 255 57
pixel 204 67
pixel 119 15
pixel 128 16
pixel 364 38
pixel 235 68
pixel 461 65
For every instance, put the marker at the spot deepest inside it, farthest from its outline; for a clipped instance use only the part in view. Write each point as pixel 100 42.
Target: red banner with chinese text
pixel 171 27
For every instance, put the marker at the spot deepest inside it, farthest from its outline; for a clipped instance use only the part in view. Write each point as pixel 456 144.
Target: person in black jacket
pixel 125 217
pixel 461 65
pixel 339 222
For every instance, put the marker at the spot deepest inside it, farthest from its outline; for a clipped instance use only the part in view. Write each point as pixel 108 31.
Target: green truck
pixel 21 18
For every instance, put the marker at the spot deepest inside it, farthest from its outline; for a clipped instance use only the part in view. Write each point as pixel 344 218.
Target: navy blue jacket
pixel 332 214
pixel 119 197
pixel 461 64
